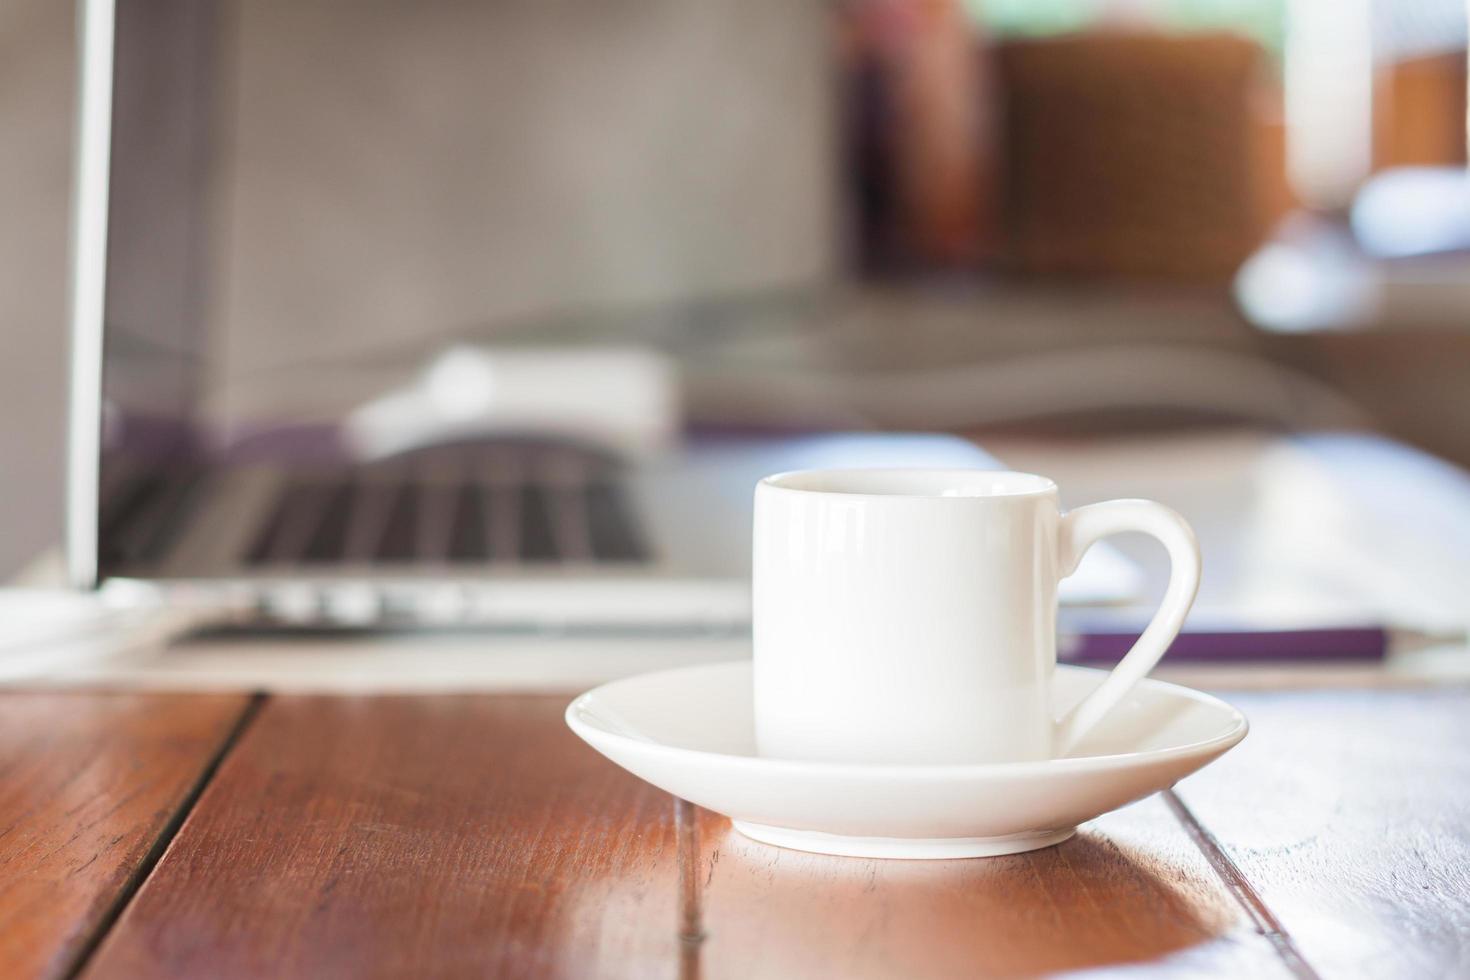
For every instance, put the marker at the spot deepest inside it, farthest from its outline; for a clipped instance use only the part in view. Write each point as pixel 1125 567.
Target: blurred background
pixel 1054 220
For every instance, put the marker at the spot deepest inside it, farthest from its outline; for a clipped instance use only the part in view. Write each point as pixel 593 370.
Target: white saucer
pixel 690 732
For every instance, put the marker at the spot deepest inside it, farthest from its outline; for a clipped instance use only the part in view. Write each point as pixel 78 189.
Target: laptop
pixel 242 239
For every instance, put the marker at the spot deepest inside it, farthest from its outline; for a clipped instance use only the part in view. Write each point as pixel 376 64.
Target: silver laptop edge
pixel 88 288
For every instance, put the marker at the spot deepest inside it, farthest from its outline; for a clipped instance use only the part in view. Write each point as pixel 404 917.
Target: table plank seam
pixel 1241 889
pixel 691 934
pixel 166 835
pixel 691 913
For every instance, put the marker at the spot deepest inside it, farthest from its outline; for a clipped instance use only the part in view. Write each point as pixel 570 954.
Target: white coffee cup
pixel 909 616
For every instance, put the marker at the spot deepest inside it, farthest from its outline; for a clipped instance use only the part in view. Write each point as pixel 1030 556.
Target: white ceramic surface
pixel 690 731
pixel 909 615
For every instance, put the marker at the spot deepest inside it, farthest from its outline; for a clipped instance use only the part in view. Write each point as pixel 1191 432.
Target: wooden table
pixel 190 835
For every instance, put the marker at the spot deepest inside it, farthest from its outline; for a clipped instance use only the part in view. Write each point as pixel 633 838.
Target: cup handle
pixel 1081 529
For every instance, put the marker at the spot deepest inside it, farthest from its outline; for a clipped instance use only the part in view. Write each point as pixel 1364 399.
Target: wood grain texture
pixel 1128 893
pixel 471 835
pixel 88 783
pixel 420 836
pixel 1349 813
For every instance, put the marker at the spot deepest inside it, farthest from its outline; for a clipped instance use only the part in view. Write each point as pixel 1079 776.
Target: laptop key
pixel 469 539
pixel 328 543
pixel 368 522
pixel 437 507
pixel 615 537
pixel 538 541
pixel 295 519
pixel 401 533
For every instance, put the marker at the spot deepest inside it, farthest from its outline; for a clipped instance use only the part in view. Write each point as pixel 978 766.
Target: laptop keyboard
pixel 143 512
pixel 533 504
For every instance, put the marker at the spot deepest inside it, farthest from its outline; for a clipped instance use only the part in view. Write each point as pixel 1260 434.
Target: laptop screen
pixel 304 200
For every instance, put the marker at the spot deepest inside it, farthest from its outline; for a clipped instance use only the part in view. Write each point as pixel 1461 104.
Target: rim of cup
pixel 911 483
